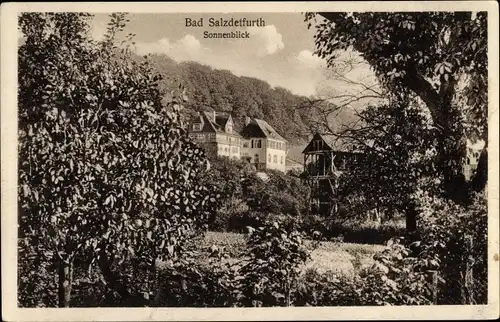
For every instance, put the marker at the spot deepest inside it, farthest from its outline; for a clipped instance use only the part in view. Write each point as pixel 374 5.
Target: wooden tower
pixel 325 158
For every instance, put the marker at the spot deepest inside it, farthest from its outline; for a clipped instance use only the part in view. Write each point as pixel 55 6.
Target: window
pixel 258 144
pixel 245 144
pixel 229 128
pixel 281 159
pixel 275 159
pixel 318 145
pixel 226 150
pixel 257 158
pixel 252 144
pixel 269 158
pixel 197 127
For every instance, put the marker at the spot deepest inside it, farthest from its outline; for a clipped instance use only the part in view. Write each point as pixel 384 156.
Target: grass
pixel 342 258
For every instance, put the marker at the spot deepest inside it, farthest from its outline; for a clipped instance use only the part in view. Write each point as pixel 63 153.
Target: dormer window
pixel 229 128
pixel 197 127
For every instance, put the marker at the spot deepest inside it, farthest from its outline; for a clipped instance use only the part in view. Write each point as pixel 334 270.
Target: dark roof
pixel 261 129
pixel 217 125
pixel 333 142
pixel 221 120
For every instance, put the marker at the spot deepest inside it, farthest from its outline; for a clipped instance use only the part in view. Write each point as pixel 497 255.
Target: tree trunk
pixel 65 282
pixel 411 222
pixel 481 176
pixel 114 283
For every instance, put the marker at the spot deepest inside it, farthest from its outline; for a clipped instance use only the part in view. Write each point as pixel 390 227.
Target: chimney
pixel 247 120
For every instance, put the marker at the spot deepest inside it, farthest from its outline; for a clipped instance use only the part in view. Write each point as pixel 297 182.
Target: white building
pixel 258 143
pixel 216 135
pixel 263 146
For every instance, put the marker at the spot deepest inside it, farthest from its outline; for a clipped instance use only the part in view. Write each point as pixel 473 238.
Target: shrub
pixel 192 283
pixel 228 216
pixel 327 289
pixel 351 231
pixel 454 242
pixel 271 270
pixel 396 278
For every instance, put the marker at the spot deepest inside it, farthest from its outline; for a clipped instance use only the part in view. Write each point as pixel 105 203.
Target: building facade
pixel 258 143
pixel 215 134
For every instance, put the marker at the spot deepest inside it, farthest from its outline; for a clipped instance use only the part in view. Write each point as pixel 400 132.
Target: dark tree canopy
pixel 438 57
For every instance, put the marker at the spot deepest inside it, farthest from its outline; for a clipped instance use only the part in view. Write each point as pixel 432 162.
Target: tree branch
pixel 434 102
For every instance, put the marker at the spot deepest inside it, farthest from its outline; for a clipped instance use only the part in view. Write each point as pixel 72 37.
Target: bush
pixel 191 283
pixel 326 289
pixel 454 242
pixel 394 279
pixel 227 217
pixel 271 270
pixel 360 232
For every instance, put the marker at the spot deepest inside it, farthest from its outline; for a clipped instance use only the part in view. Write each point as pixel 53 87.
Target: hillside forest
pixel 222 91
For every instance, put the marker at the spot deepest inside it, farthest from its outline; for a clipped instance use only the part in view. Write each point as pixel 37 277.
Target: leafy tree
pixel 280 194
pixel 225 177
pixel 441 57
pixel 398 149
pixel 106 172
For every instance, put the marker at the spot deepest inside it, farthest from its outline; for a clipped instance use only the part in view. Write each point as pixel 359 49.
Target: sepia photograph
pixel 294 157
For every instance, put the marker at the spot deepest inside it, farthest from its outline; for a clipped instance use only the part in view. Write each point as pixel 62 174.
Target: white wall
pixel 261 152
pixel 278 159
pixel 228 146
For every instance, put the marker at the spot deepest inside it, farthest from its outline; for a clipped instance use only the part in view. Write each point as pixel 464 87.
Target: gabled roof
pixel 261 129
pixel 222 120
pixel 333 143
pixel 214 125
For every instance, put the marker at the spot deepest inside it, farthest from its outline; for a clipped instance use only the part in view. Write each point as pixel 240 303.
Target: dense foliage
pixel 244 195
pixel 399 150
pixel 433 69
pixel 107 174
pixel 456 245
pixel 440 57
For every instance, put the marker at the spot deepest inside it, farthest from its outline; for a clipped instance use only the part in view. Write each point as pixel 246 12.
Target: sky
pixel 281 52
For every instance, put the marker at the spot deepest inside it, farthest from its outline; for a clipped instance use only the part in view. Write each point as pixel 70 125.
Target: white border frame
pixel 9 13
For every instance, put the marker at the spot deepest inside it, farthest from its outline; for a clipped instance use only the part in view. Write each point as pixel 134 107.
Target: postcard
pixel 250 161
